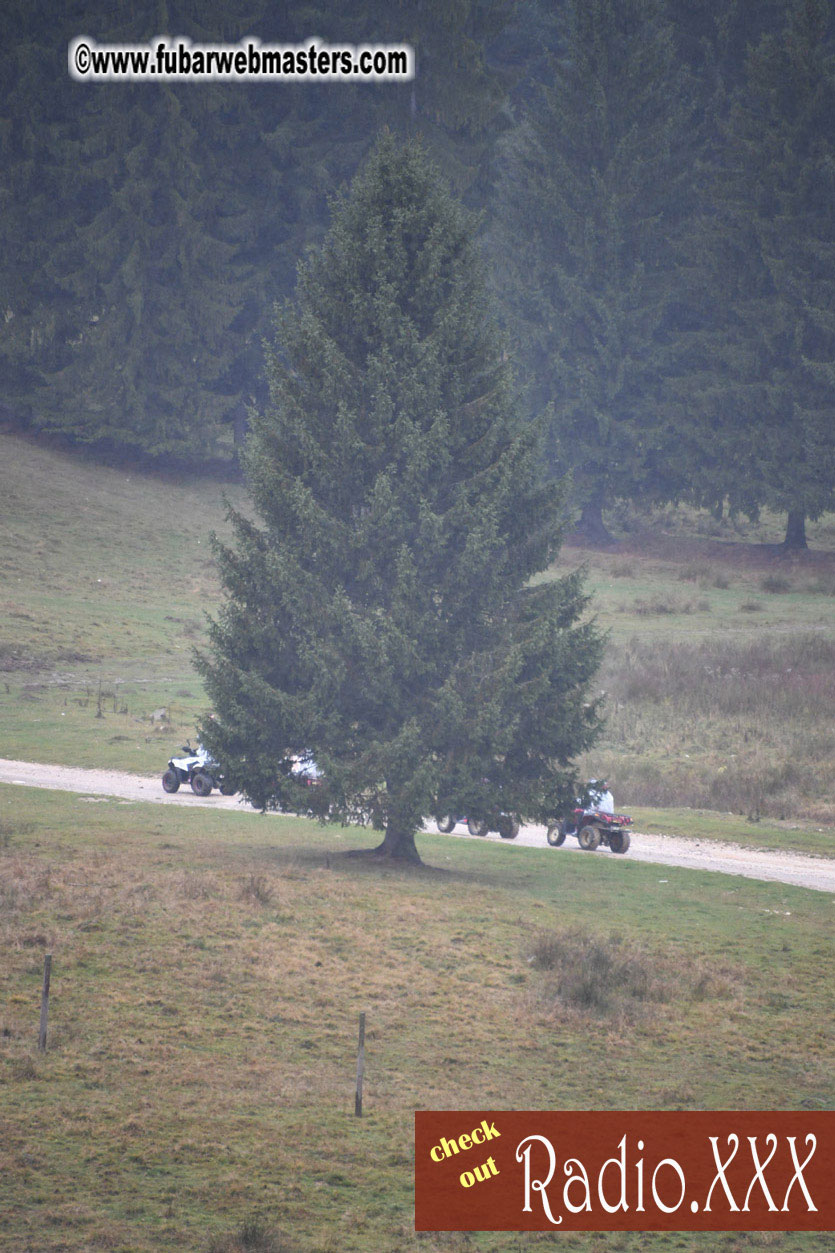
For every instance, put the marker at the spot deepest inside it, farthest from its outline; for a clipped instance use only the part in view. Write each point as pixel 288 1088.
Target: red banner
pixel 624 1171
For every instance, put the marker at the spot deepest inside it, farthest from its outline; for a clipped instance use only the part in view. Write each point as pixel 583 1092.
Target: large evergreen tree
pixel 381 615
pixel 593 190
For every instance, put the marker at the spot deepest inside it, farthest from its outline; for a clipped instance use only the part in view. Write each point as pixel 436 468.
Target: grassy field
pixel 109 577
pixel 208 971
pixel 209 968
pixel 718 675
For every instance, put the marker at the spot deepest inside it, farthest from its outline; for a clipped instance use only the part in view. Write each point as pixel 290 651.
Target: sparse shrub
pixel 671 605
pixel 659 606
pixel 721 581
pixel 257 890
pixel 696 572
pixel 775 583
pixel 605 976
pixel 594 973
pixel 822 587
pixel 24 1069
pixel 647 608
pixel 750 606
pixel 74 656
pixel 10 828
pixel 708 524
pixel 9 895
pixel 253 1236
pixel 196 887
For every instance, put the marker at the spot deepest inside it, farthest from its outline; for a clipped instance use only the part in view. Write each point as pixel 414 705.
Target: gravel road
pixel 664 850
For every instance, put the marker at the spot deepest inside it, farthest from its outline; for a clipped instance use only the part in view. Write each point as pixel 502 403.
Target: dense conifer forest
pixel 655 189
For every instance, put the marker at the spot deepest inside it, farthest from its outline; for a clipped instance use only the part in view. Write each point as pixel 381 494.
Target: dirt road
pixel 663 850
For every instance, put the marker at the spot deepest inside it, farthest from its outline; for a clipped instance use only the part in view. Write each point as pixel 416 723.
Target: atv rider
pixel 599 797
pixel 596 799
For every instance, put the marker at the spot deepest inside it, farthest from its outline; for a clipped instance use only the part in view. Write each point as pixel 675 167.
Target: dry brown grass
pixel 253 1236
pixel 611 976
pixel 198 1085
pixel 722 724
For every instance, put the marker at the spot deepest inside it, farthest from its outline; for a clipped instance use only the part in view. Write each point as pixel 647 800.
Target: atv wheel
pixel 589 838
pixel 555 835
pixel 227 789
pixel 170 781
pixel 619 841
pixel 477 826
pixel 508 825
pixel 445 824
pixel 201 784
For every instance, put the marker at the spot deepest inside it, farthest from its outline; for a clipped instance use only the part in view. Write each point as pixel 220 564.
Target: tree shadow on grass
pixel 289 858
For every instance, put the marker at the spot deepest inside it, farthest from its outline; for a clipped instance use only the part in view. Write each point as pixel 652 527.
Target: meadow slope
pixel 718 676
pixel 208 969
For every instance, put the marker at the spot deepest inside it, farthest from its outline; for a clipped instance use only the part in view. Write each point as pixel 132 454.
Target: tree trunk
pixel 398 844
pixel 795 530
pixel 403 822
pixel 592 527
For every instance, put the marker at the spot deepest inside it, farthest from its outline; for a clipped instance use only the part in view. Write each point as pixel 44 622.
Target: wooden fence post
pixel 360 1068
pixel 47 971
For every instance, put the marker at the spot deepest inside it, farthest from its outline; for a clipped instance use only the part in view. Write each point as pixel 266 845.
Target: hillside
pixel 718 679
pixel 208 968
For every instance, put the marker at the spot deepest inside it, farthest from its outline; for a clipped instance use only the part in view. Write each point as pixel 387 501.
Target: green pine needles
pixel 592 199
pixel 380 617
pixel 767 406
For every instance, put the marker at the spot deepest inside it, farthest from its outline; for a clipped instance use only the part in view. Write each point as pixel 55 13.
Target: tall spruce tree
pixel 766 415
pixel 381 616
pixel 592 192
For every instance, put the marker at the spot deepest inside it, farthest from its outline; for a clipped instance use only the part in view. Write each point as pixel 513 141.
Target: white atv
pixel 198 769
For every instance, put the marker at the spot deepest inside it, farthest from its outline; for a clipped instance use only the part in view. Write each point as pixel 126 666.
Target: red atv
pixel 592 828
